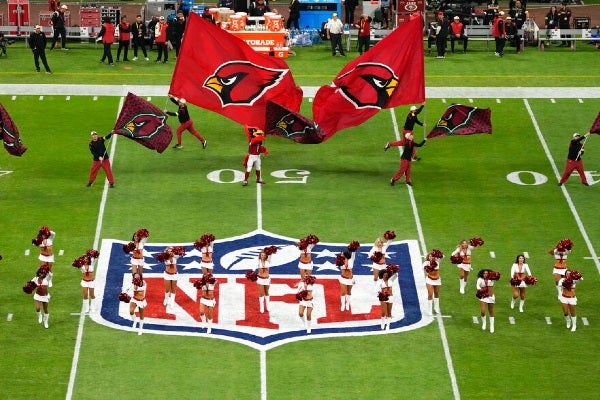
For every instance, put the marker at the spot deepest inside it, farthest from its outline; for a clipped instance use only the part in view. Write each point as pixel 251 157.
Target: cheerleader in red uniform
pixel 305 245
pixel 463 254
pixel 560 252
pixel 138 300
pixel 40 284
pixel 433 281
pixel 140 237
pixel 518 272
pixel 377 254
pixel 171 274
pixel 485 294
pixel 568 299
pixel 305 297
pixel 387 276
pixel 207 301
pixel 45 240
pixel 345 261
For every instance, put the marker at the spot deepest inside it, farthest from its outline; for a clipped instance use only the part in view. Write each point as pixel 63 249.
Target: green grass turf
pixel 460 190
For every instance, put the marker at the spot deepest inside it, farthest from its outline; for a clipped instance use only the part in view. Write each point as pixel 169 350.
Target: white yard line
pixel 77 349
pixel 563 188
pixel 440 321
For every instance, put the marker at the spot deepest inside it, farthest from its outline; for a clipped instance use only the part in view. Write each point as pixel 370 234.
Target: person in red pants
pixel 574 159
pixel 406 157
pixel 98 150
pixel 185 122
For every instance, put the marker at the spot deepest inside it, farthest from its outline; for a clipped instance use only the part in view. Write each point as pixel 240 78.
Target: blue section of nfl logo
pixel 236 296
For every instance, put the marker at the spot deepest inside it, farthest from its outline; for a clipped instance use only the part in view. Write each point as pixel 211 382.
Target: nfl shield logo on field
pixel 237 317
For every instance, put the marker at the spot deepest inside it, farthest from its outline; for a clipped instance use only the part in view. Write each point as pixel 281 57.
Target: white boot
pixel 436 305
pixel 261 304
pixel 202 321
pixel 85 307
pixel 166 300
pixel 568 321
pixel 430 307
pixel 559 289
pixel 40 317
pixel 462 286
pixel 573 324
pixel 492 324
pixel 483 323
pixel 382 323
pixel 92 307
pixel 303 321
pixel 50 279
pixel 141 326
pixel 387 323
pixel 209 329
pixel 512 303
pixel 134 321
pixel 46 316
pixel 348 297
pixel 343 302
pixel 521 303
pixel 308 326
pixel 268 303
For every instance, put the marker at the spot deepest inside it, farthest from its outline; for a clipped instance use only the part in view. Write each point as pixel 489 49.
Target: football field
pixel 500 187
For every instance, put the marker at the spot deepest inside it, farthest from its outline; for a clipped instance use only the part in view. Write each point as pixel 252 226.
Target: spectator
pixel 349 7
pixel 550 23
pixel 175 31
pixel 58 23
pixel 334 29
pixel 240 5
pixel 152 30
pixel 364 33
pixel 124 38
pixel 258 8
pixel 574 159
pixel 160 38
pixel 564 20
pixel 431 35
pixel 138 32
pixel 294 8
pixel 499 33
pixel 457 32
pixel 490 12
pixel 107 36
pixel 519 14
pixel 512 33
pixel 387 8
pixel 37 44
pixel 442 35
pixel 226 4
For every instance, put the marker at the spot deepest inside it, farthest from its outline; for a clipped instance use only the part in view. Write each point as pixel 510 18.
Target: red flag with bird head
pixel 10 134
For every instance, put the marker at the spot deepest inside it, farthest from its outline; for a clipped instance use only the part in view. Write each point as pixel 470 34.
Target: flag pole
pixel 581 150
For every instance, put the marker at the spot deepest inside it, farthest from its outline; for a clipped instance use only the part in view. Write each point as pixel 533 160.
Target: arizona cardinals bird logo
pixel 291 126
pixel 242 82
pixel 368 85
pixel 144 125
pixel 455 118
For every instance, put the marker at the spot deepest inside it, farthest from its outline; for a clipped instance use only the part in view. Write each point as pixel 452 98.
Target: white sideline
pixel 440 321
pixel 563 188
pixel 77 349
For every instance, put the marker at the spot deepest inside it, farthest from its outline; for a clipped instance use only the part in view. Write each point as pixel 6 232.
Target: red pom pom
pixel 142 233
pixel 383 296
pixel 204 240
pixel 29 287
pixel 312 239
pixel 124 297
pixel 565 244
pixel 179 251
pixel 431 267
pixel 377 257
pixel 392 269
pixel 457 259
pixel 80 262
pixel 129 247
pixel 162 257
pixel 515 282
pixel 530 280
pixel 482 293
pixel 44 231
pixel 198 244
pixel 270 250
pixel 37 241
pixel 209 279
pixel 92 253
pixel 252 276
pixel 354 245
pixel 139 282
pixel 303 244
pixel 43 270
pixel 301 295
pixel 494 276
pixel 309 279
pixel 576 275
pixel 389 235
pixel 476 242
pixel 567 283
pixel 197 283
pixel 437 253
pixel 340 260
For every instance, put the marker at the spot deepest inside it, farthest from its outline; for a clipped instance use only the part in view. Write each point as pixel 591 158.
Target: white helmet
pixel 413 108
pixel 182 100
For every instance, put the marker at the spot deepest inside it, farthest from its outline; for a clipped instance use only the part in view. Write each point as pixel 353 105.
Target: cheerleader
pixel 138 300
pixel 264 281
pixel 518 272
pixel 45 240
pixel 433 281
pixel 305 245
pixel 560 253
pixel 463 251
pixel 377 255
pixel 485 293
pixel 170 276
pixel 137 259
pixel 87 280
pixel 386 296
pixel 305 297
pixel 207 301
pixel 41 283
pixel 206 263
pixel 568 299
pixel 346 262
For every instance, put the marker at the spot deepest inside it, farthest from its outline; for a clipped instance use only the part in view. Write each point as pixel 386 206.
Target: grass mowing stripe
pixel 440 322
pixel 263 375
pixel 79 338
pixel 564 189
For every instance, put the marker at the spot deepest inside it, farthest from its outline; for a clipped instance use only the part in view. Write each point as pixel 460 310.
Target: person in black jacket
pixel 98 150
pixel 294 14
pixel 442 35
pixel 175 31
pixel 37 44
pixel 58 23
pixel 574 159
pixel 185 122
pixel 138 35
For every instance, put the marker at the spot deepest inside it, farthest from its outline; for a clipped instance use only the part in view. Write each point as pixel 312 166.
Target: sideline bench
pixel 565 35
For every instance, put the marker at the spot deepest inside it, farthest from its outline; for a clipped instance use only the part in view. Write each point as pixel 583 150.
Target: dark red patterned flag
pixel 10 134
pixel 389 75
pixel 143 122
pixel 219 72
pixel 290 125
pixel 462 120
pixel 596 125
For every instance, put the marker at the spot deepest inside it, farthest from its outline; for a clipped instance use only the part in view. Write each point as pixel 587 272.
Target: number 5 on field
pixel 282 175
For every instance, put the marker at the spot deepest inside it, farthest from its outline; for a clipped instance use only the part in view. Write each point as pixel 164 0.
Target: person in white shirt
pixel 335 29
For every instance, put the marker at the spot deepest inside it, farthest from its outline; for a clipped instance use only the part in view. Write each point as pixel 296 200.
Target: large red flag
pixel 217 71
pixel 462 120
pixel 143 122
pixel 290 125
pixel 10 134
pixel 596 125
pixel 388 75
